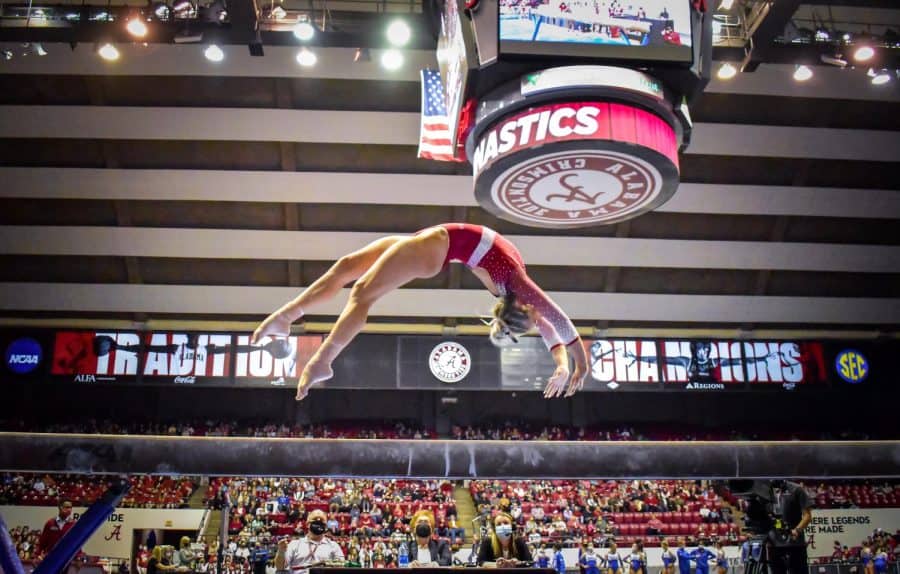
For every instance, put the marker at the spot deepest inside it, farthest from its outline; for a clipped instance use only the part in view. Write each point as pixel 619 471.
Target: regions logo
pixel 23 355
pixel 852 366
pixel 449 362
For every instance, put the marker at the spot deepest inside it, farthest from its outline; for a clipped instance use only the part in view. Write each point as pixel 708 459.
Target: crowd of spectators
pixel 506 430
pixel 879 541
pixel 569 512
pixel 82 490
pixel 25 540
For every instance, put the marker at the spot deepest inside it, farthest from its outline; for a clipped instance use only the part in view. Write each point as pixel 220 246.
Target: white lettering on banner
pixel 559 123
pixel 849 526
pixel 261 364
pixel 189 358
pixel 23 359
pixel 773 362
pixel 624 361
pixel 125 362
pixel 114 538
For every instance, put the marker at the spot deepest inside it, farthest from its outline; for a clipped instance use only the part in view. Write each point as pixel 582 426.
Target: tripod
pixel 758 557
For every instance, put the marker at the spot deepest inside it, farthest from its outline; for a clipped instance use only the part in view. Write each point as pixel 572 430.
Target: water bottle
pixel 403 556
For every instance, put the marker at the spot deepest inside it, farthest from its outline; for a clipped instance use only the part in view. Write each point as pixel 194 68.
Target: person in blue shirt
pixel 702 556
pixel 881 561
pixel 637 560
pixel 559 561
pixel 613 559
pixel 543 557
pixel 745 553
pixel 721 559
pixel 684 558
pixel 865 556
pixel 668 558
pixel 590 560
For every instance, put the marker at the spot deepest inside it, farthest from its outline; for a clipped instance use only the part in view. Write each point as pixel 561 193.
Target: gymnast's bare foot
pixel 314 372
pixel 275 325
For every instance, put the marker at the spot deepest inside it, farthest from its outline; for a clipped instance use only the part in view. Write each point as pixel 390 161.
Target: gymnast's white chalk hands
pixel 557 383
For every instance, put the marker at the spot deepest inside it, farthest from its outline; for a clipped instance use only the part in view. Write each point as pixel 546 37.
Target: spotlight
pixel 822 35
pixel 306 58
pixel 863 54
pixel 846 37
pixel 362 55
pixel 108 52
pixel 214 53
pixel 136 27
pixel 398 33
pixel 726 4
pixel 392 59
pixel 726 71
pixel 183 8
pixel 803 73
pixel 304 30
pixel 162 11
pixel 880 78
pixel 7 54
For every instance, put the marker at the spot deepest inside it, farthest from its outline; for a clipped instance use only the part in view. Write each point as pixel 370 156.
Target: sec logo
pixel 449 362
pixel 851 366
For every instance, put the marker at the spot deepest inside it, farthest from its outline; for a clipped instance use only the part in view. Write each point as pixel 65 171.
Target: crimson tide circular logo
pixel 449 362
pixel 576 165
pixel 583 187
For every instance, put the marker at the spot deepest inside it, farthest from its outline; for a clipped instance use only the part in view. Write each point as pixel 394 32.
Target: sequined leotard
pixel 478 246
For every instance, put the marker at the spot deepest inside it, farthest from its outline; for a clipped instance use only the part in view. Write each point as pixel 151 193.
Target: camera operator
pixel 794 506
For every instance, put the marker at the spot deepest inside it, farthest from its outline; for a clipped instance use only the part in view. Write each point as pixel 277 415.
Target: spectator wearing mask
pixel 427 551
pixel 185 556
pixel 312 550
pixel 502 546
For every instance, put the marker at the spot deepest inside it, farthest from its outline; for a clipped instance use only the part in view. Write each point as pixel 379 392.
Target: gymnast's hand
pixel 577 381
pixel 557 383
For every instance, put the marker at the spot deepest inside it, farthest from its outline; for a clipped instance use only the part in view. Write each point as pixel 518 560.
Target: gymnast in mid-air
pixel 393 261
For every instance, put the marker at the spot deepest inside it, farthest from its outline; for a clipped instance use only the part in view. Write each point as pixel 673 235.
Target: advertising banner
pixel 849 526
pixel 441 363
pixel 96 356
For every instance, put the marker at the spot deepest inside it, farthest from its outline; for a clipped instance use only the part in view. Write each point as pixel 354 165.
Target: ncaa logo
pixel 581 187
pixel 23 355
pixel 851 366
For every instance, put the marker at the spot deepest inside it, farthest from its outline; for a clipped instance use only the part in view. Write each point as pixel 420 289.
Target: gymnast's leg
pixel 346 269
pixel 411 258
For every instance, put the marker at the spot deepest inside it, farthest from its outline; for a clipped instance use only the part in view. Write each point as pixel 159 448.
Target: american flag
pixel 434 131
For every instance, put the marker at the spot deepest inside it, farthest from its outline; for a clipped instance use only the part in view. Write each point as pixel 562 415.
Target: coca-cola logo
pixel 185 380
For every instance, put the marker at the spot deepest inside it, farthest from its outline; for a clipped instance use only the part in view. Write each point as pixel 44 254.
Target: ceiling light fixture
pixel 391 59
pixel 398 33
pixel 726 71
pixel 803 73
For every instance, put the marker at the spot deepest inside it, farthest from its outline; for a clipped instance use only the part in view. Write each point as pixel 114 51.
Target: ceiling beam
pixel 396 128
pixel 410 189
pixel 469 303
pixel 537 250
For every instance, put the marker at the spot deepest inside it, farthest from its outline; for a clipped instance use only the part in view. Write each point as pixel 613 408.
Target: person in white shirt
pixel 314 549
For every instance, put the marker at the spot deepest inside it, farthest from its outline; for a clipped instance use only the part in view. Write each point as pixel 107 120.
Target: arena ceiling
pixel 165 190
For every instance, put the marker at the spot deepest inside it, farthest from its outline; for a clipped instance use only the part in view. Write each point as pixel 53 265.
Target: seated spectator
pixel 427 551
pixel 502 546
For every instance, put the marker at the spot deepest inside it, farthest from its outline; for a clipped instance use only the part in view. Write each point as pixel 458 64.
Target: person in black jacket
pixel 427 551
pixel 502 545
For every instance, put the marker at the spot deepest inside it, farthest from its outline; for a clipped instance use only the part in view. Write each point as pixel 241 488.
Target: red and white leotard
pixel 478 246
